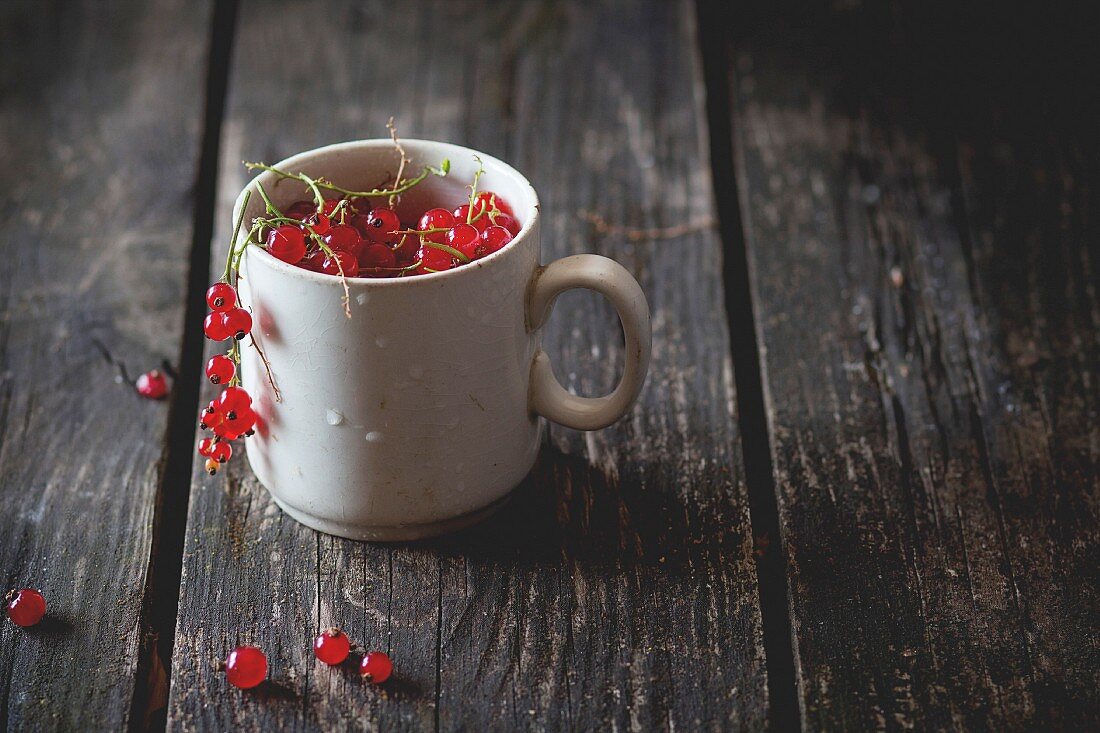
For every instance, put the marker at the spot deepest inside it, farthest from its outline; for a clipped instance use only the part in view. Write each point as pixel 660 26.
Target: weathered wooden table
pixel 860 490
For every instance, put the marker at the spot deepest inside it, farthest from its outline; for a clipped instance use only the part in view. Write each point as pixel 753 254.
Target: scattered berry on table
pixel 246 667
pixel 332 646
pixel 26 607
pixel 152 385
pixel 376 667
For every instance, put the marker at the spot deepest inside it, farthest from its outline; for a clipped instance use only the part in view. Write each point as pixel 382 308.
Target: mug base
pixel 394 533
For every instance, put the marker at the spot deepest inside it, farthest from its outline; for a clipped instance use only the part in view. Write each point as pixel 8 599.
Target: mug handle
pixel 547 397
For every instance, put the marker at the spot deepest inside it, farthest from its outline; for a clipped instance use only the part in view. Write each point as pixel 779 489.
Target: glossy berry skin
pixel 376 667
pixel 344 238
pixel 233 399
pixel 206 447
pixel 433 259
pixel 341 262
pixel 221 451
pixel 238 322
pixel 436 219
pixel 381 225
pixel 220 369
pixel 210 416
pixel 508 222
pixel 221 297
pixel 332 646
pixel 243 419
pixel 376 258
pixel 152 385
pixel 488 198
pixel 214 327
pixel 287 243
pixel 246 667
pixel 480 219
pixel 464 238
pixel 313 260
pixel 493 239
pixel 319 223
pixel 26 607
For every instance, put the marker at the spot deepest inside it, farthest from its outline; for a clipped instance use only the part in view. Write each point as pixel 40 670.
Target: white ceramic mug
pixel 419 414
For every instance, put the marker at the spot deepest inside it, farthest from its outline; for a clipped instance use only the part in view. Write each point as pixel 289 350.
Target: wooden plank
pixel 100 119
pixel 926 304
pixel 617 589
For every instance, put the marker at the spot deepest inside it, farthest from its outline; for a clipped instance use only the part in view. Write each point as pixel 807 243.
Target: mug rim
pixel 266 258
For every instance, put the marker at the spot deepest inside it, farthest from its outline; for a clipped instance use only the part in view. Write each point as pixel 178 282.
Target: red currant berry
pixel 221 297
pixel 436 219
pixel 220 369
pixel 300 210
pixel 479 223
pixel 377 258
pixel 210 416
pixel 493 239
pixel 206 447
pixel 338 263
pixel 490 199
pixel 313 260
pixel 233 400
pixel 243 419
pixel 26 607
pixel 319 223
pixel 152 385
pixel 464 238
pixel 508 222
pixel 238 322
pixel 433 259
pixel 376 667
pixel 287 243
pixel 332 646
pixel 214 327
pixel 246 667
pixel 382 225
pixel 331 204
pixel 407 250
pixel 221 451
pixel 344 238
pixel 211 466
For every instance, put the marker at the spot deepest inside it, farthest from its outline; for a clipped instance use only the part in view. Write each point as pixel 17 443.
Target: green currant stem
pixel 473 190
pixel 449 250
pixel 428 170
pixel 236 233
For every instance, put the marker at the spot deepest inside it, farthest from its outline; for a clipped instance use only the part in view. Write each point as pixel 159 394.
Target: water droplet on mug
pixel 380 341
pixel 362 298
pixel 374 437
pixel 334 417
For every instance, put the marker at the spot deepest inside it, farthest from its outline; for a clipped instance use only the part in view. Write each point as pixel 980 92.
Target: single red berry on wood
pixel 436 219
pixel 214 327
pixel 152 385
pixel 464 238
pixel 493 239
pixel 220 369
pixel 221 451
pixel 332 646
pixel 381 225
pixel 246 667
pixel 221 297
pixel 344 238
pixel 341 263
pixel 26 607
pixel 376 667
pixel 287 242
pixel 238 322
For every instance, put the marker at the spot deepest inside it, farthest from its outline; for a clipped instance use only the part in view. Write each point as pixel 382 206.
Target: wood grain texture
pixel 100 116
pixel 919 222
pixel 617 589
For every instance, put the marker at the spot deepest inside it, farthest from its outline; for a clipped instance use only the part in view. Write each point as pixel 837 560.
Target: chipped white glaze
pixel 435 378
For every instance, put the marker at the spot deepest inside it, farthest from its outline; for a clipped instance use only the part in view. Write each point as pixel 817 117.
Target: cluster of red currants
pixel 230 414
pixel 246 666
pixel 374 243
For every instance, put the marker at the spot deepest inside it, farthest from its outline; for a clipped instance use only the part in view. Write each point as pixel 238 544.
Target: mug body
pixel 409 418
